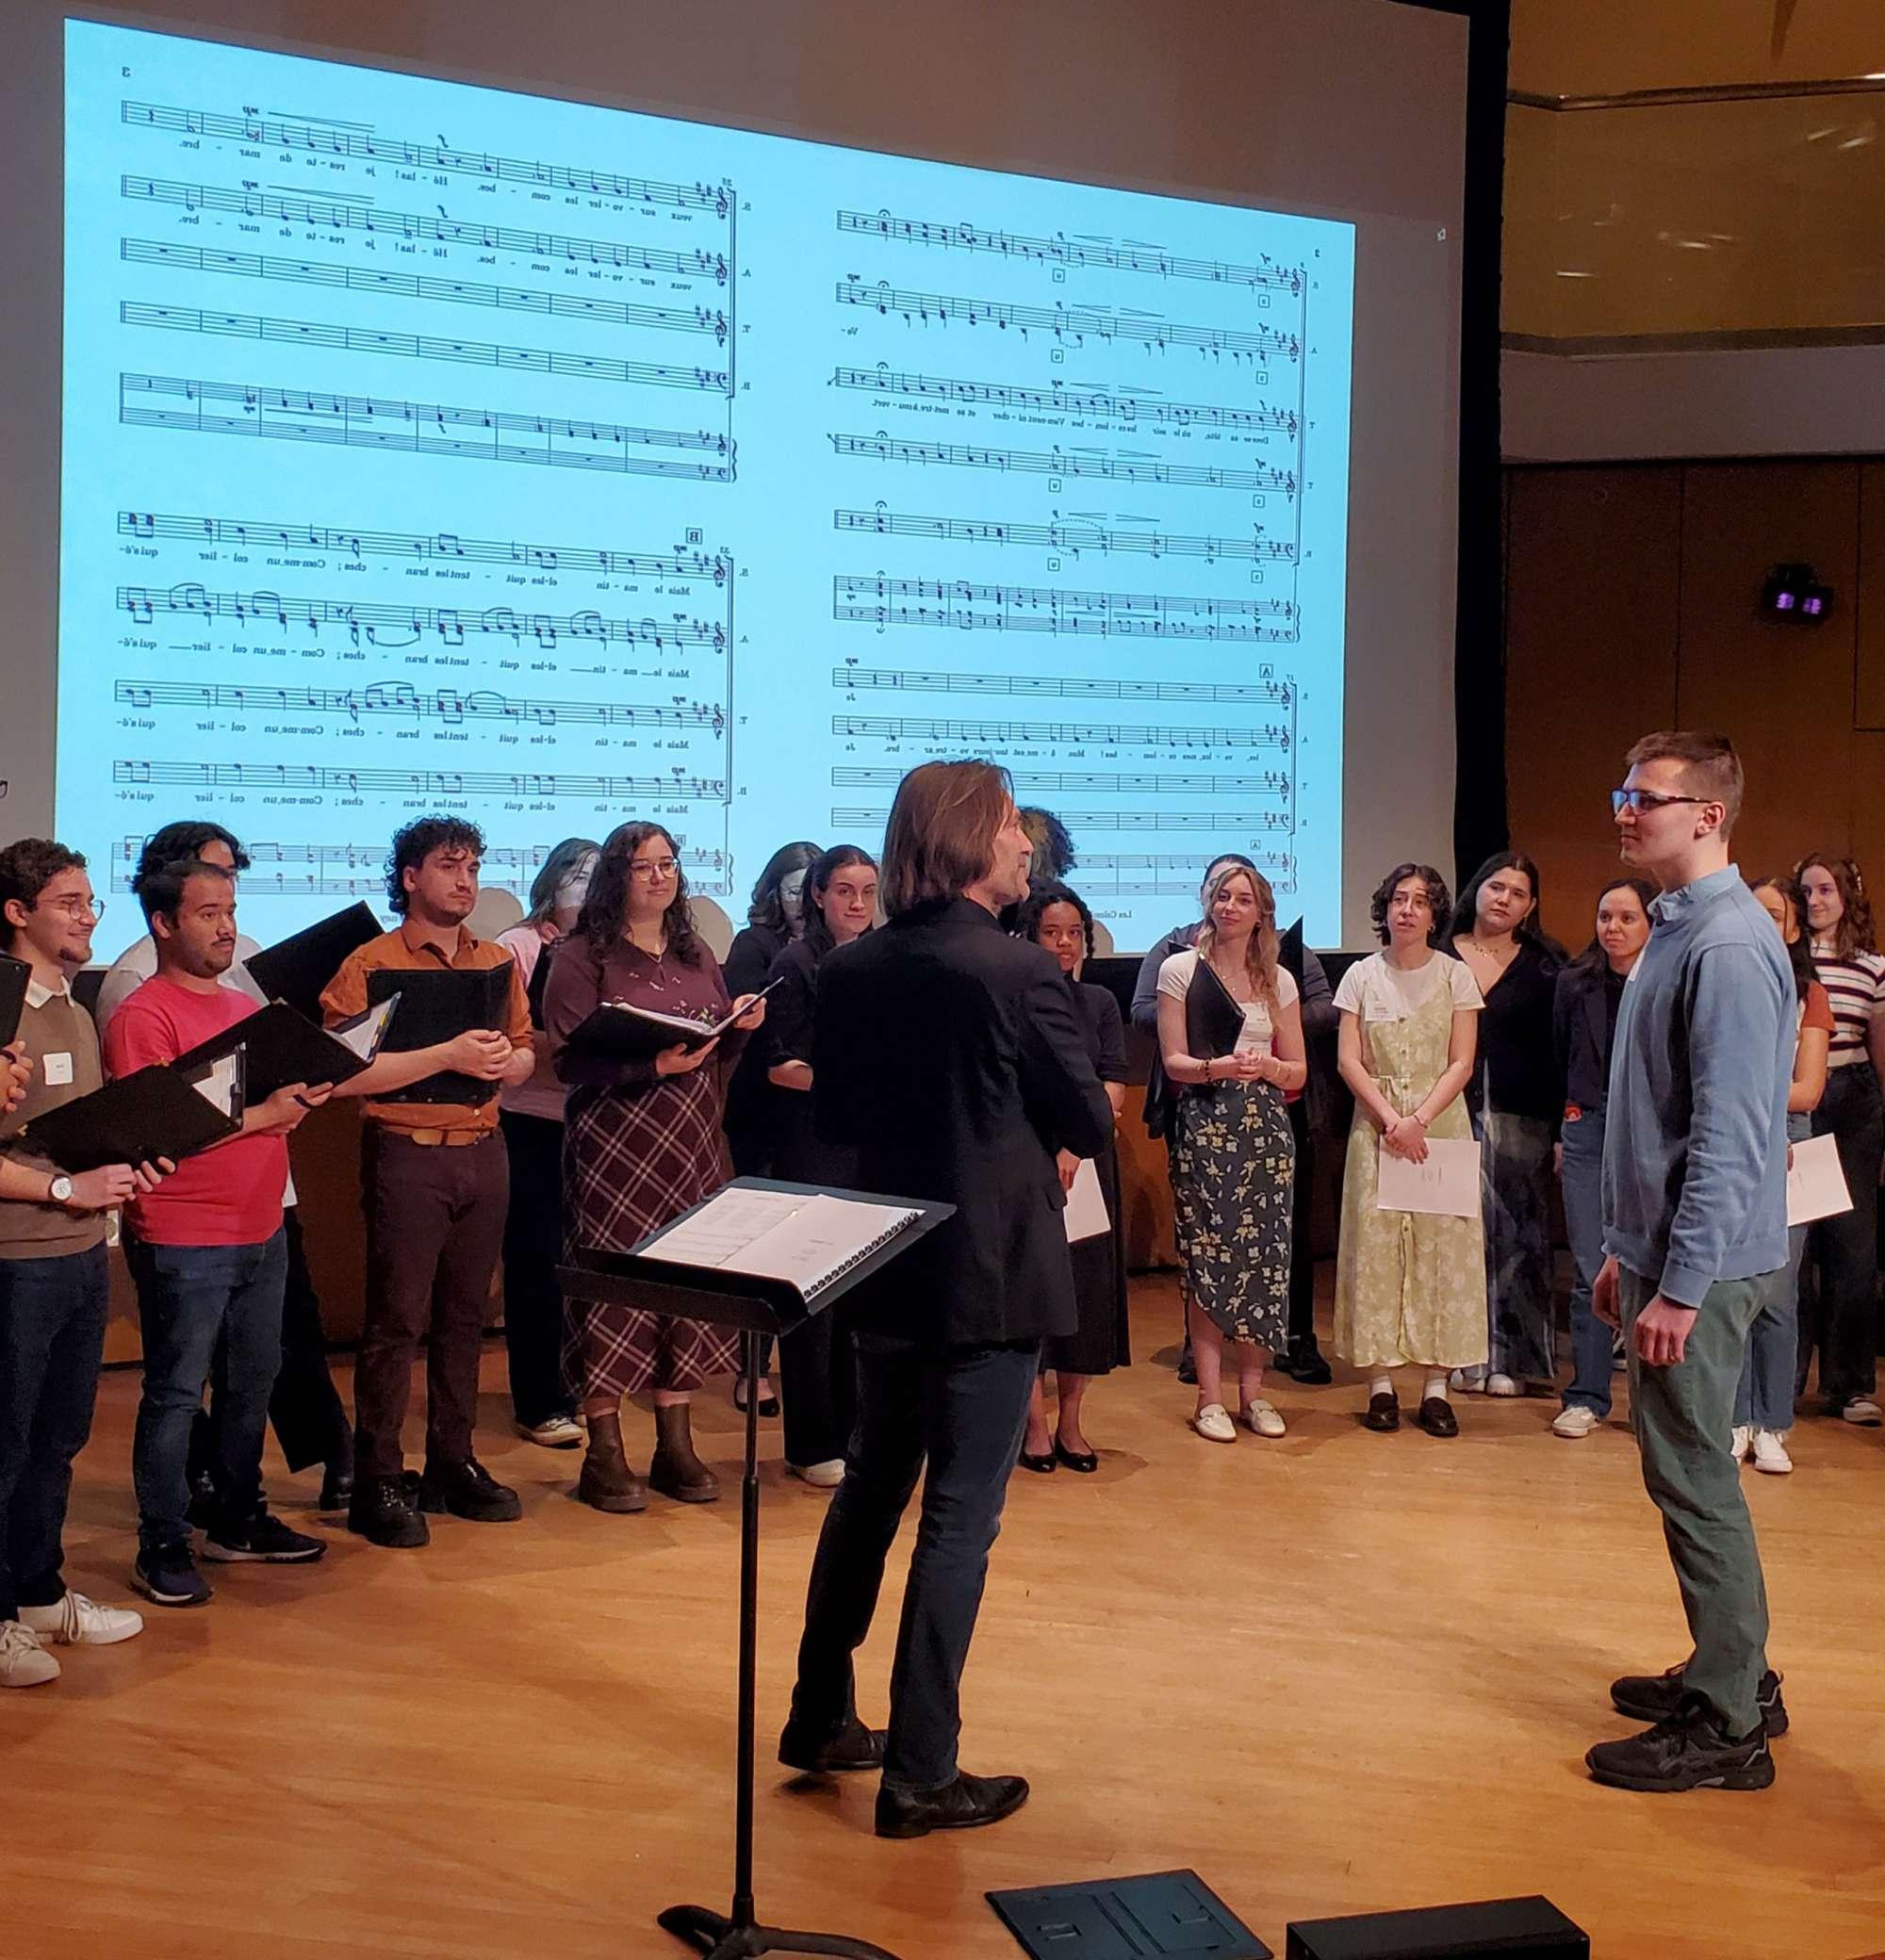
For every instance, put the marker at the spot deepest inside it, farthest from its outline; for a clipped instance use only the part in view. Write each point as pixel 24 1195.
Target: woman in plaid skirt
pixel 643 1141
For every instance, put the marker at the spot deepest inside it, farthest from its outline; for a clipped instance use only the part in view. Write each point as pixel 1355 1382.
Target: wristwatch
pixel 60 1190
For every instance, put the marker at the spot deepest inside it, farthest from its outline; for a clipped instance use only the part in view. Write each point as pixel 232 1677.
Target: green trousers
pixel 1684 1418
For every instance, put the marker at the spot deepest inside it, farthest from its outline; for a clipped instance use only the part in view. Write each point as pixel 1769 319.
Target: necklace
pixel 1491 954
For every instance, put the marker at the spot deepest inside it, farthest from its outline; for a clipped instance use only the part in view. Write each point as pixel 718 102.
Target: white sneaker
pixel 559 1432
pixel 1467 1382
pixel 1740 1443
pixel 1261 1419
pixel 824 1476
pixel 79 1622
pixel 1770 1452
pixel 1863 1412
pixel 1214 1425
pixel 1576 1419
pixel 1502 1385
pixel 24 1663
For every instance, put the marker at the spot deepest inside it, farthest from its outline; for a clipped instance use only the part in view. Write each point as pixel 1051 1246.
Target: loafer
pixel 1659 1698
pixel 1690 1751
pixel 1262 1419
pixel 1437 1418
pixel 831 1752
pixel 965 1805
pixel 1383 1413
pixel 1085 1460
pixel 1213 1423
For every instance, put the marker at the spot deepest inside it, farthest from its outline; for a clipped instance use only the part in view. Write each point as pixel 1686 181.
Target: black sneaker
pixel 260 1540
pixel 202 1505
pixel 166 1575
pixel 1659 1697
pixel 337 1487
pixel 1689 1750
pixel 383 1512
pixel 468 1490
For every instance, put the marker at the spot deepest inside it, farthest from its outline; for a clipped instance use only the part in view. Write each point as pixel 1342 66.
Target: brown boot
pixel 676 1471
pixel 607 1482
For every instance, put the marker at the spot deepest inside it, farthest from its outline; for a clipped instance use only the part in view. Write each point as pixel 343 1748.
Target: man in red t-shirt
pixel 207 1253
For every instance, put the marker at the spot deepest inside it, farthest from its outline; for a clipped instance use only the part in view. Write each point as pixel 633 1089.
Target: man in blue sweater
pixel 1695 1207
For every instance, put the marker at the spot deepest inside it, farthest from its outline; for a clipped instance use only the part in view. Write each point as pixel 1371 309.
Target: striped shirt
pixel 1856 986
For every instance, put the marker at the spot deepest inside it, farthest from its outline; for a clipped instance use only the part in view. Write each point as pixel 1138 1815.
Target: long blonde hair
pixel 1260 950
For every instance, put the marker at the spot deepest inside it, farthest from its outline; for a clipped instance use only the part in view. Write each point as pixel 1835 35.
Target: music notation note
pixel 1111 875
pixel 442 546
pixel 427 428
pixel 1071 538
pixel 500 863
pixel 1069 325
pixel 1060 397
pixel 326 140
pixel 1103 783
pixel 916 680
pixel 399 698
pixel 1077 251
pixel 1064 462
pixel 847 816
pixel 981 735
pixel 373 624
pixel 679 785
pixel 966 607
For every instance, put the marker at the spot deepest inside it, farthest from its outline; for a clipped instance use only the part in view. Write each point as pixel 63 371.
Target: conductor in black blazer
pixel 948 1057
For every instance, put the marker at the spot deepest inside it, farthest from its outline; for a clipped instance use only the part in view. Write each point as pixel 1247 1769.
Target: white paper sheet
pixel 782 1236
pixel 1086 1215
pixel 1815 1183
pixel 1445 1186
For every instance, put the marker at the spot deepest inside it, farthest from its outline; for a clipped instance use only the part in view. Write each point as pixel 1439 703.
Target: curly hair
pixel 183 842
pixel 1052 844
pixel 1438 898
pixel 604 916
pixel 1854 932
pixel 27 866
pixel 1050 891
pixel 417 841
pixel 768 905
pixel 1261 949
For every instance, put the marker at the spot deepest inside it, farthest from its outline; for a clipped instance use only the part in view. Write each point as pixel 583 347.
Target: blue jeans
pixel 1583 1225
pixel 188 1298
pixel 963 1410
pixel 1764 1401
pixel 52 1338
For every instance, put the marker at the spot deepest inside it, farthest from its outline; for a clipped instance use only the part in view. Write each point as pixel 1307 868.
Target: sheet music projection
pixel 438 448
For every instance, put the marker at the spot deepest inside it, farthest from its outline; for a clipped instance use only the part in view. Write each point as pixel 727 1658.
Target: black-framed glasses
pixel 1640 800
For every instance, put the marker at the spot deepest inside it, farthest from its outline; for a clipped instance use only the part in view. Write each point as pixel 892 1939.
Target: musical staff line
pixel 415 286
pixel 1060 397
pixel 364 621
pixel 1274 735
pixel 1047 609
pixel 421 346
pixel 359 421
pixel 1278 693
pixel 1063 463
pixel 452 706
pixel 1108 874
pixel 439 544
pixel 1077 251
pixel 1104 782
pixel 282 135
pixel 524 859
pixel 421 782
pixel 1071 538
pixel 1083 820
pixel 1071 326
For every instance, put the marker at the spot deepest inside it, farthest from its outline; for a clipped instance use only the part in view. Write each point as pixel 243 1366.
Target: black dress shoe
pixel 1658 1697
pixel 1041 1463
pixel 336 1488
pixel 831 1751
pixel 1307 1366
pixel 768 1403
pixel 961 1805
pixel 1690 1751
pixel 1084 1461
pixel 1437 1418
pixel 1187 1369
pixel 1384 1412
pixel 468 1490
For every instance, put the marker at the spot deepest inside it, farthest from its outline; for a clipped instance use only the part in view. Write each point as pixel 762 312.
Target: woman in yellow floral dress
pixel 1230 1033
pixel 1410 1288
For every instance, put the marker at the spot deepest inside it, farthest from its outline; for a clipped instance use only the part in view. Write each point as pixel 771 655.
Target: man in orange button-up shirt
pixel 435 1185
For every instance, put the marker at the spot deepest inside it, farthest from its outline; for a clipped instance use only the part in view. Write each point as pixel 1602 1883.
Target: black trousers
pixel 1302 1253
pixel 818 1388
pixel 533 1248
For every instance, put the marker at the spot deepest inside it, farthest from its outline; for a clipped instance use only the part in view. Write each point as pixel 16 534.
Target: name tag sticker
pixel 56 1069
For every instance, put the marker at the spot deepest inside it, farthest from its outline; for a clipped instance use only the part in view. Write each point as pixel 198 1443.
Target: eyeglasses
pixel 74 908
pixel 1640 800
pixel 654 867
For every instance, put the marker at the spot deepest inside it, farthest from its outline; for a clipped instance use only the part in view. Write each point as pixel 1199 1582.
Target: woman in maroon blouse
pixel 643 1141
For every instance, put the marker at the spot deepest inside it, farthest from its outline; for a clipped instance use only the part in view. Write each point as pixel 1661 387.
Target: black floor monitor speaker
pixel 1520 1929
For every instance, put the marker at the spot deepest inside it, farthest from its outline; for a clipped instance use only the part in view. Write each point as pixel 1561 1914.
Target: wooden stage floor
pixel 1335 1673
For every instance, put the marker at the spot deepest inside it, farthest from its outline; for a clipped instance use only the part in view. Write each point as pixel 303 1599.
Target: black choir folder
pixel 439 1005
pixel 626 1033
pixel 282 1046
pixel 15 976
pixel 154 1112
pixel 298 968
pixel 1520 1929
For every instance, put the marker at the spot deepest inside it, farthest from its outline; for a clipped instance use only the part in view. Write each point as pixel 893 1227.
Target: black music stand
pixel 755 1307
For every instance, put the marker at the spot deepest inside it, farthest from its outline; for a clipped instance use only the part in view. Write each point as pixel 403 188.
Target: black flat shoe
pixel 1437 1418
pixel 337 1489
pixel 832 1752
pixel 1084 1461
pixel 1041 1464
pixel 1307 1366
pixel 768 1403
pixel 1383 1415
pixel 961 1805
